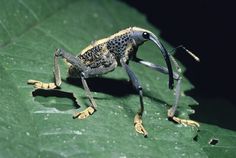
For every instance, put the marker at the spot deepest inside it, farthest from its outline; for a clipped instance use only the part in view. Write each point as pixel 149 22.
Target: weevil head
pixel 140 35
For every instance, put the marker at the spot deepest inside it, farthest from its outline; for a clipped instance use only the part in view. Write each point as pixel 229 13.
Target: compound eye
pixel 145 35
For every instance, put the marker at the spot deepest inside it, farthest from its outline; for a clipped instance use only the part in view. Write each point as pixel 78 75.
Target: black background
pixel 207 28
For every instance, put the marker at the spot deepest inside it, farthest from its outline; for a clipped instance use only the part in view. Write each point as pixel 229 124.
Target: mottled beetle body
pixel 105 53
pixel 104 56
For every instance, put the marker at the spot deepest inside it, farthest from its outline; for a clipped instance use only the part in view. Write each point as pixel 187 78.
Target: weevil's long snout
pixel 141 35
pixel 165 54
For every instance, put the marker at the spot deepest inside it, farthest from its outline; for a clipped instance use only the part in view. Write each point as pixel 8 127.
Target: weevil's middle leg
pixel 86 74
pixel 81 67
pixel 70 59
pixel 138 123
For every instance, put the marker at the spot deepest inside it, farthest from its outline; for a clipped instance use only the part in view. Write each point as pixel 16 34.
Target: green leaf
pixel 42 126
pixel 216 141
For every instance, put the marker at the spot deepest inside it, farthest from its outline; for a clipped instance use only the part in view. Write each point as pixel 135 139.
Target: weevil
pixel 104 56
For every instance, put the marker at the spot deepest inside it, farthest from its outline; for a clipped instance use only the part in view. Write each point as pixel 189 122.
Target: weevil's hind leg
pixel 92 108
pixel 57 75
pixel 138 123
pixel 42 85
pixel 80 66
pixel 172 110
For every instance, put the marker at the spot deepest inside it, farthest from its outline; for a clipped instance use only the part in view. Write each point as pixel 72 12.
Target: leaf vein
pixel 29 9
pixel 54 38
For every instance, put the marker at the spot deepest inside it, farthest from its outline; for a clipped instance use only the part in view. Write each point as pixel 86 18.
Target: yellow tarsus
pixel 138 124
pixel 186 122
pixel 39 84
pixel 84 114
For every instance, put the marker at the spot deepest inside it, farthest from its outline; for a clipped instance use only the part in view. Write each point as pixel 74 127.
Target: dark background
pixel 207 28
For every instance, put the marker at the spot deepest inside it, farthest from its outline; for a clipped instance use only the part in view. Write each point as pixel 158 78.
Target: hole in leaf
pixel 55 98
pixel 195 138
pixel 213 141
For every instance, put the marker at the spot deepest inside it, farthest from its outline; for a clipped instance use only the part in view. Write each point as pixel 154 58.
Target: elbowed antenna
pixel 189 52
pixel 166 57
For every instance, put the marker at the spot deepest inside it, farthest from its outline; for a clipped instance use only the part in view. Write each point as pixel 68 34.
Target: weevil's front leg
pixel 57 76
pixel 92 108
pixel 172 110
pixel 156 67
pixel 90 73
pixel 138 123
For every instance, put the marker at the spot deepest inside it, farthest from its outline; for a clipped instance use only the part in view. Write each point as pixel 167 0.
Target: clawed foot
pixel 138 125
pixel 42 85
pixel 186 122
pixel 84 114
pixel 182 121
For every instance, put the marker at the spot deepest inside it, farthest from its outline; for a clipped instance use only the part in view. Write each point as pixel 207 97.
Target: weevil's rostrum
pixel 104 56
